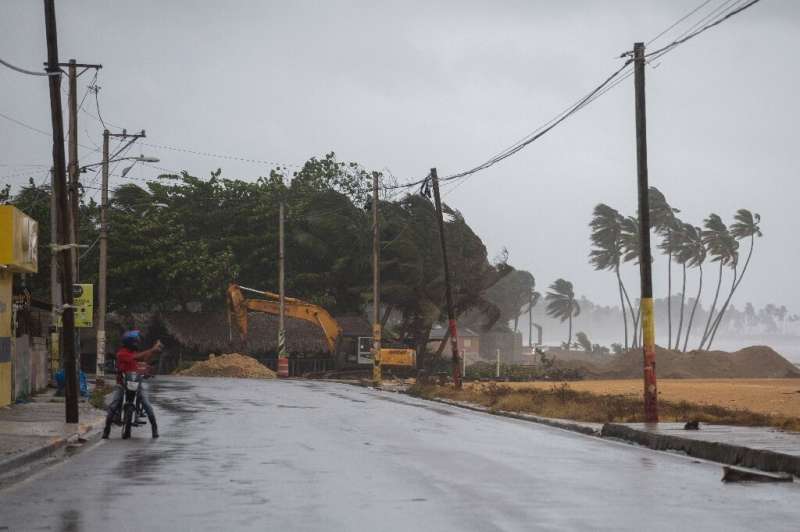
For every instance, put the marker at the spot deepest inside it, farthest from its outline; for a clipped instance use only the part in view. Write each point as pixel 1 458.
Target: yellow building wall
pixel 5 337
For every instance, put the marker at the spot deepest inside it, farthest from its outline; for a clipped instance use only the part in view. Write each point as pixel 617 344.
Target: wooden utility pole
pixel 62 246
pixel 648 322
pixel 283 359
pixel 376 286
pixel 55 286
pixel 451 316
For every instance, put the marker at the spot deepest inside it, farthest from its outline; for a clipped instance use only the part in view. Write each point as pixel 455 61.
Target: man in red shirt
pixel 128 358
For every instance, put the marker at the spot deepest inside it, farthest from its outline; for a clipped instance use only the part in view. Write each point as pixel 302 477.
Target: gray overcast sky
pixel 408 85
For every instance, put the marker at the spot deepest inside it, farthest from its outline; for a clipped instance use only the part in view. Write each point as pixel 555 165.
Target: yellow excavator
pixel 269 303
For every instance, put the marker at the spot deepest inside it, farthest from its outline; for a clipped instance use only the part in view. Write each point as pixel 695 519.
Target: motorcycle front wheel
pixel 127 422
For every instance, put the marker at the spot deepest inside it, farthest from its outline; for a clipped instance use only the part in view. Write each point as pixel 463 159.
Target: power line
pixel 689 14
pixel 222 156
pixel 29 72
pixel 671 46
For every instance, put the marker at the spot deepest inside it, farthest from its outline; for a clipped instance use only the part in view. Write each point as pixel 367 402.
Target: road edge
pixel 11 467
pixel 723 453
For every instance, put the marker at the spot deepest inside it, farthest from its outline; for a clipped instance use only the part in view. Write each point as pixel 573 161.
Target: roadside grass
pixel 98 397
pixel 561 401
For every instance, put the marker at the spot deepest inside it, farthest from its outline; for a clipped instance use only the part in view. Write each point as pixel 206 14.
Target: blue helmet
pixel 132 339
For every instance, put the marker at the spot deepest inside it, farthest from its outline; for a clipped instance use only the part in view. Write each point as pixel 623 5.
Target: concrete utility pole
pixel 376 286
pixel 451 316
pixel 497 369
pixel 60 191
pixel 72 141
pixel 102 278
pixel 283 358
pixel 648 322
pixel 73 166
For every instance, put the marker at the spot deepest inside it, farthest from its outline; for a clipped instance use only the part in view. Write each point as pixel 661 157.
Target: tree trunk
pixel 694 307
pixel 713 308
pixel 569 338
pixel 733 289
pixel 669 294
pixel 622 304
pixel 712 331
pixel 683 303
pixel 634 317
pixel 386 313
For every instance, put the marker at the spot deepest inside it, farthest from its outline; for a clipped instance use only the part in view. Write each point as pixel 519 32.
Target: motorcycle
pixel 132 386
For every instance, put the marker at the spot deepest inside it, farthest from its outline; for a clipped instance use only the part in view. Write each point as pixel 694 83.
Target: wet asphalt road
pixel 304 455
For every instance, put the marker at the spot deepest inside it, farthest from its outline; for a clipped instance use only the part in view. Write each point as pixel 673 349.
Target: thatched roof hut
pixel 200 333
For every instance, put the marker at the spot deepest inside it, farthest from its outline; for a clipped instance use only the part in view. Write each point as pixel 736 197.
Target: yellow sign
pixel 83 299
pixel 18 240
pixel 398 357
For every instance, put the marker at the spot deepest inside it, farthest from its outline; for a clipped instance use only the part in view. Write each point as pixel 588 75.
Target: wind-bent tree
pixel 607 250
pixel 745 226
pixel 724 249
pixel 662 219
pixel 671 244
pixel 692 253
pixel 561 304
pixel 630 246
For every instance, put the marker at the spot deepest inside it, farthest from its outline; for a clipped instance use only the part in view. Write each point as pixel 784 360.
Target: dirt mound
pixel 752 362
pixel 230 365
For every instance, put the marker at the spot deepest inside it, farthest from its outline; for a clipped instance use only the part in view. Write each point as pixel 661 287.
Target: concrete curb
pixel 557 423
pixel 25 458
pixel 723 453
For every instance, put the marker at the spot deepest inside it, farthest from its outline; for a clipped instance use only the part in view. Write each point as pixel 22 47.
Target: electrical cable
pixel 671 46
pixel 689 14
pixel 29 72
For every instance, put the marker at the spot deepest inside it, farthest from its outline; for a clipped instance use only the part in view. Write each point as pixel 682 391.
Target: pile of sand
pixel 751 362
pixel 230 365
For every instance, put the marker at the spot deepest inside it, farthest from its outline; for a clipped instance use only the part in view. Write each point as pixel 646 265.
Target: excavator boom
pixel 239 306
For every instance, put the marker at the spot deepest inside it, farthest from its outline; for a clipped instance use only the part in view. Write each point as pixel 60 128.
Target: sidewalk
pixel 30 431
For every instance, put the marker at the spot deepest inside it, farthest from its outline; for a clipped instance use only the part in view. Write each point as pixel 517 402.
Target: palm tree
pixel 561 304
pixel 745 226
pixel 535 297
pixel 662 219
pixel 607 249
pixel 692 254
pixel 671 244
pixel 723 247
pixel 629 235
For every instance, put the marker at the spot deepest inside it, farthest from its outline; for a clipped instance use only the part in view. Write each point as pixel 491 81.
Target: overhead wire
pixel 29 72
pixel 677 22
pixel 719 20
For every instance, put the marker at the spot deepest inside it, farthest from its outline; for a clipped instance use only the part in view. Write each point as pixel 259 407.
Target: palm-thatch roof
pixel 209 332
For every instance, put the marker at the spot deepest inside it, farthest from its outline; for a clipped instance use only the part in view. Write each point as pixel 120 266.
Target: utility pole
pixel 55 287
pixel 62 246
pixel 497 368
pixel 102 278
pixel 451 316
pixel 648 322
pixel 73 167
pixel 376 286
pixel 283 359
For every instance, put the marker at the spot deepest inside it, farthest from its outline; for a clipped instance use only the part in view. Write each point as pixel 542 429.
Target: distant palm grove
pixel 615 242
